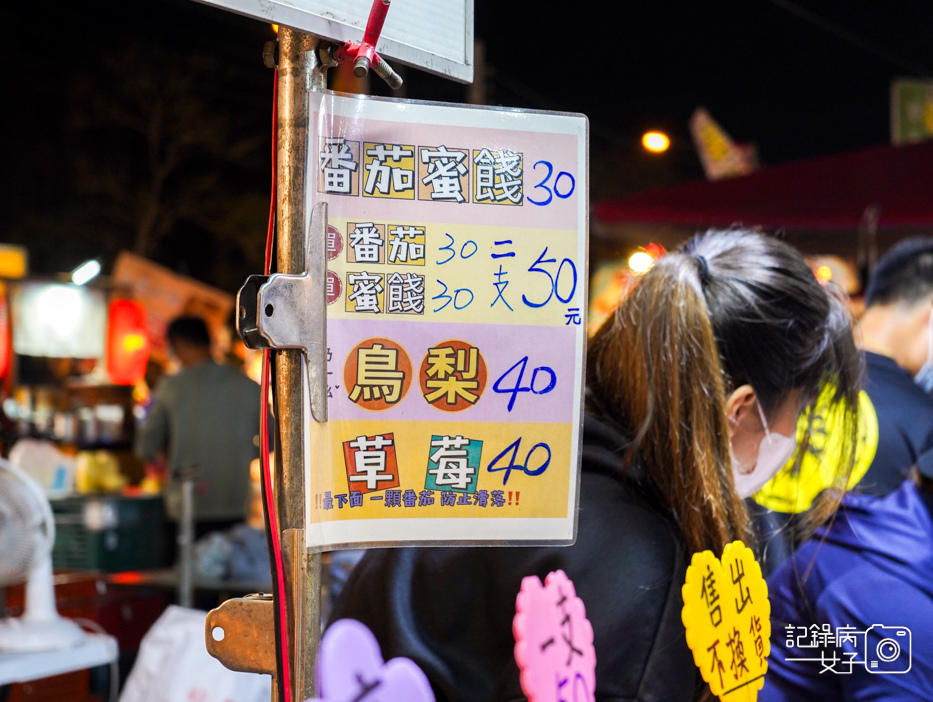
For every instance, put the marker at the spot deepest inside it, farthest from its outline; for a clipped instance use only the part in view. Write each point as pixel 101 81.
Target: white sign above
pixel 434 35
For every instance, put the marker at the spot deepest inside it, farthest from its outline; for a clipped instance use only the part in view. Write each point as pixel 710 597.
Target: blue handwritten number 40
pixel 523 467
pixel 549 380
pixel 500 388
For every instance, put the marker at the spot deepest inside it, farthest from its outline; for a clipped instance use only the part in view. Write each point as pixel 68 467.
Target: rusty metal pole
pixel 300 73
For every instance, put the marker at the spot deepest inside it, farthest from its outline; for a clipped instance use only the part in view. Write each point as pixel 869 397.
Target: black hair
pixel 192 330
pixel 776 327
pixel 904 273
pixel 728 308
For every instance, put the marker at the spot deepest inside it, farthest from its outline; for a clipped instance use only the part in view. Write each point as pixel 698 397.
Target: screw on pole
pixel 363 54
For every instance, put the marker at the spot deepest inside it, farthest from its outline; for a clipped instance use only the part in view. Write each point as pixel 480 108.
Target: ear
pixel 740 406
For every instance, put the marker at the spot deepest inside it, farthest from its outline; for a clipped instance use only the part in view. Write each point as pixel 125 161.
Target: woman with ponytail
pixel 694 388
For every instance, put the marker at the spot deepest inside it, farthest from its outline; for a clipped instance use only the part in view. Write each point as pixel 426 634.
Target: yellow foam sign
pixel 793 491
pixel 727 616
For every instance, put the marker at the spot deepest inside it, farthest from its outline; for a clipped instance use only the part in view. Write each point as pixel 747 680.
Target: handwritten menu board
pixel 456 290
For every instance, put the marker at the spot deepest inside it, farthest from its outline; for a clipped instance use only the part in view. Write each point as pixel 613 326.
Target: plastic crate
pixel 107 533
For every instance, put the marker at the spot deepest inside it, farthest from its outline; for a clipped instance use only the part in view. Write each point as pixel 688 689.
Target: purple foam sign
pixel 554 641
pixel 350 667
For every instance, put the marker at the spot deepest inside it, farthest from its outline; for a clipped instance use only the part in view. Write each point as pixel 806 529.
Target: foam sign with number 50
pixel 456 294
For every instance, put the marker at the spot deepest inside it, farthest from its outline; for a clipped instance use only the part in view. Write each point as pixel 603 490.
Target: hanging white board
pixel 434 35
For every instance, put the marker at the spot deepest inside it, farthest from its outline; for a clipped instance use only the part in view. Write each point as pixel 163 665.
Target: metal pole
pixel 186 541
pixel 300 73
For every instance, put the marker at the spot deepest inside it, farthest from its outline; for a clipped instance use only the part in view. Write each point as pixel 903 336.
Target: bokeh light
pixel 640 261
pixel 656 142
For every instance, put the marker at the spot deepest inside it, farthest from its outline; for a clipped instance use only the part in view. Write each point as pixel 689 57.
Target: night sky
pixel 81 81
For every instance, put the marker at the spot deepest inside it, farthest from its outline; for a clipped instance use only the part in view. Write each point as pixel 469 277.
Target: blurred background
pixel 146 126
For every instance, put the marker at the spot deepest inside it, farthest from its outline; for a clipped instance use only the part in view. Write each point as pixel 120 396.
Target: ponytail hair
pixel 728 308
pixel 654 368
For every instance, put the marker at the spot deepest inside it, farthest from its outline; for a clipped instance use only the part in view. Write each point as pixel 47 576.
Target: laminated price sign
pixel 456 291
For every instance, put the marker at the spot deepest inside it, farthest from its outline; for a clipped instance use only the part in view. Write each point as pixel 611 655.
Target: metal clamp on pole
pixel 282 311
pixel 240 633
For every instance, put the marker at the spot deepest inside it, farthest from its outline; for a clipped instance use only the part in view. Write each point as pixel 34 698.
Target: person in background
pixel 694 386
pixel 896 417
pixel 897 335
pixel 204 419
pixel 871 570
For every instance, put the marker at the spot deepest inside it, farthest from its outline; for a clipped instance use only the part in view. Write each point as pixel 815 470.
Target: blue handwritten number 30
pixel 544 186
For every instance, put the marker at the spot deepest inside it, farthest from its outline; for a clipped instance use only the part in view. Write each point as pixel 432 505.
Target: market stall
pixel 77 378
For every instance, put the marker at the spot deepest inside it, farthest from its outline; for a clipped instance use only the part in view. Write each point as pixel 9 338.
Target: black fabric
pixel 451 609
pixel 905 424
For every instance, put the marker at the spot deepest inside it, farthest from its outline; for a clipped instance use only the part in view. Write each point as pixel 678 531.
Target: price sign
pixel 350 667
pixel 554 641
pixel 728 620
pixel 456 256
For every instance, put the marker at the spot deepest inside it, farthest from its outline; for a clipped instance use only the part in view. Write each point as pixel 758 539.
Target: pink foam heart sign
pixel 554 641
pixel 350 667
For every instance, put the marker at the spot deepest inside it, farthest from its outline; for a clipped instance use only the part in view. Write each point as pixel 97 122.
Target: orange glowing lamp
pixel 656 142
pixel 824 274
pixel 127 342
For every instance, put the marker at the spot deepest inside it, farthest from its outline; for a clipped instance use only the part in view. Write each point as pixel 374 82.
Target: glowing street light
pixel 85 272
pixel 656 142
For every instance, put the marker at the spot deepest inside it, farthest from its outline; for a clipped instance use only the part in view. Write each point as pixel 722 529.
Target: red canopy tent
pixel 829 192
pixel 816 201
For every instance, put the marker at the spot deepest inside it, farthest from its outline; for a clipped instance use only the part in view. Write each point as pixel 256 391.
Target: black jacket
pixel 451 609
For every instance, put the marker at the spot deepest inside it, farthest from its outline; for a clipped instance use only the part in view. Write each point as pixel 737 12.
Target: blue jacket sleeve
pixel 895 663
pixel 794 673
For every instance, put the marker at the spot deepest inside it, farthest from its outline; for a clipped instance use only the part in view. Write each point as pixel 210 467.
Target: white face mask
pixel 924 377
pixel 773 452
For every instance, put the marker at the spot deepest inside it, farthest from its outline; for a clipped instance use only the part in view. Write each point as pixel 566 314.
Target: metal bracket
pixel 364 54
pixel 245 627
pixel 285 311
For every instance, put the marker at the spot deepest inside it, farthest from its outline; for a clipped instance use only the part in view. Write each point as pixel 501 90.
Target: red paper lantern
pixel 6 350
pixel 127 342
